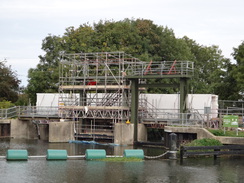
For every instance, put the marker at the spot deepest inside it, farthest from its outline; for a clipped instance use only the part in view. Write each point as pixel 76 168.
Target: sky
pixel 25 23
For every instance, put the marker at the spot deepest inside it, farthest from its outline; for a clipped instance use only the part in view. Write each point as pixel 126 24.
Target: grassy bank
pixel 204 142
pixel 227 133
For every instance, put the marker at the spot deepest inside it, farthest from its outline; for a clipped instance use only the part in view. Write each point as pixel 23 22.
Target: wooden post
pixel 216 155
pixel 182 151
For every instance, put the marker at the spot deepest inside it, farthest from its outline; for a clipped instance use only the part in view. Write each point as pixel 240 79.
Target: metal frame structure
pixel 99 79
pixel 105 86
pixel 103 82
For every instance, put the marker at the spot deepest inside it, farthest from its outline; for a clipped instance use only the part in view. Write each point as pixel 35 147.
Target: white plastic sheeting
pixel 47 99
pixel 167 102
pixel 195 102
pixel 48 103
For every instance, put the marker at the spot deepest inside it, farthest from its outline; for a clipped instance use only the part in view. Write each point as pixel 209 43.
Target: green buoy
pixel 53 154
pixel 17 154
pixel 134 153
pixel 95 154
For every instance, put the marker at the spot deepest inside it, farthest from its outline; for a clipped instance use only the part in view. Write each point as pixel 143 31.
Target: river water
pixel 202 170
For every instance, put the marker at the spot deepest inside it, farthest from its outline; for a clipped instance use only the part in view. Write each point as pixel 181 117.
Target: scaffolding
pixel 95 88
pixel 99 79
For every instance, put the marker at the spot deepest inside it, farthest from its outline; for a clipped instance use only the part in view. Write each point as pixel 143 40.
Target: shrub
pixel 6 104
pixel 204 142
pixel 217 132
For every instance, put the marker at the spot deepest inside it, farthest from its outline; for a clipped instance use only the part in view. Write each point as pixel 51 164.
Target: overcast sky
pixel 25 23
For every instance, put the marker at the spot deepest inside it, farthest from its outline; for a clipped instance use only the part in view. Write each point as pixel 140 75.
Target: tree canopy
pixel 142 39
pixel 238 70
pixel 9 83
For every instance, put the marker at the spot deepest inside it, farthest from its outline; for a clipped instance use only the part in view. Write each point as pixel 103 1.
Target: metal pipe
pixel 77 156
pixel 42 156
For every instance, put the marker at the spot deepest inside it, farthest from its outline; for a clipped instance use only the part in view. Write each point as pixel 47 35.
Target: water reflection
pixel 149 171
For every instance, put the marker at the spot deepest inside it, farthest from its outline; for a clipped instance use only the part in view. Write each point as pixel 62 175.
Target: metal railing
pixel 149 114
pixel 8 113
pixel 185 119
pixel 172 118
pixel 232 111
pixel 162 68
pixel 37 111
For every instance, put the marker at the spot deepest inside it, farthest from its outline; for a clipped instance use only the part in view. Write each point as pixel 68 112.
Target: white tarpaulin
pixel 47 103
pixel 167 102
pixel 195 102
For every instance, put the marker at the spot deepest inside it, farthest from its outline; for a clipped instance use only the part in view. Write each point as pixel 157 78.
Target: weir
pixel 101 97
pixel 101 92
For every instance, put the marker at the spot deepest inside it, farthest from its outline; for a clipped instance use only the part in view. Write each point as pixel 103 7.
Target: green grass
pixel 120 159
pixel 204 142
pixel 227 133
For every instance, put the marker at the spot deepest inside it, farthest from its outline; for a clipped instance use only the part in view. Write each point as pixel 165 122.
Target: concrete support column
pixel 123 133
pixel 134 106
pixel 173 145
pixel 61 131
pixel 23 129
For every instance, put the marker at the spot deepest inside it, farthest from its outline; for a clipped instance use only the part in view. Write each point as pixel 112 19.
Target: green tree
pixel 227 89
pixel 142 39
pixel 211 68
pixel 238 71
pixel 44 78
pixel 9 83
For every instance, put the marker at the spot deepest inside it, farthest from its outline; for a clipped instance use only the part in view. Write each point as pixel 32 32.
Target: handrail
pixel 8 113
pixel 147 113
pixel 162 68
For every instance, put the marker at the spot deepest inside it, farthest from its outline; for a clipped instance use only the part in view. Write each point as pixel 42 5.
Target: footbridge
pixel 158 118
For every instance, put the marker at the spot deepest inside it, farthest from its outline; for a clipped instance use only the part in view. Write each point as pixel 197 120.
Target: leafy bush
pixel 217 132
pixel 205 142
pixel 6 104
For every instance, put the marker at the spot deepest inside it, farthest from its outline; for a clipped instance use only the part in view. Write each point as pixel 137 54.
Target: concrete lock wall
pixel 124 133
pixel 61 131
pixel 22 129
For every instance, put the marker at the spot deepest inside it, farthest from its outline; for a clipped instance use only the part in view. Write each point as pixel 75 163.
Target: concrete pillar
pixel 61 131
pixel 23 129
pixel 123 133
pixel 173 146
